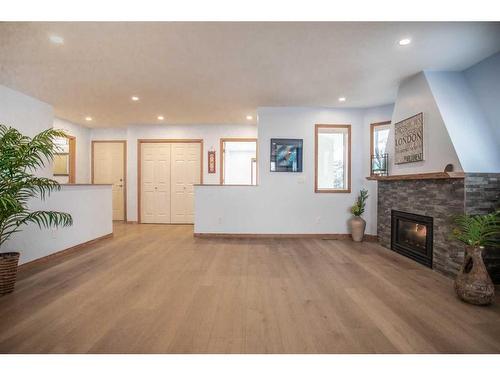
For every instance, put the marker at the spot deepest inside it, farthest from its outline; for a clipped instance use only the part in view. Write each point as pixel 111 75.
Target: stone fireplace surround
pixel 474 193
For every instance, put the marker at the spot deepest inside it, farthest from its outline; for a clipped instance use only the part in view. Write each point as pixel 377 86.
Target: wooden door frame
pixel 349 157
pixel 72 158
pixel 251 170
pixel 221 150
pixel 139 164
pixel 372 132
pixel 125 182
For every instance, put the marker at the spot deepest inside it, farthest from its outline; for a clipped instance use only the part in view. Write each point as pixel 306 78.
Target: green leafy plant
pixel 478 230
pixel 359 207
pixel 20 157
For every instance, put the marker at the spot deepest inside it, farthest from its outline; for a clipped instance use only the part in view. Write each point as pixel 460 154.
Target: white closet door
pixel 155 183
pixel 162 188
pixel 178 182
pixel 109 168
pixel 185 173
pixel 193 161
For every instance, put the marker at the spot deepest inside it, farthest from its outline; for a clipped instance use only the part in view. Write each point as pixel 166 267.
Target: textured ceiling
pixel 221 72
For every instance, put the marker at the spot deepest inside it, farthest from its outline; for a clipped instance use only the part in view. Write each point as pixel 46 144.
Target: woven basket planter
pixel 8 272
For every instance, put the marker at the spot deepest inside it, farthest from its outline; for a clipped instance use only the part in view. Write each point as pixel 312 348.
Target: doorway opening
pixel 238 161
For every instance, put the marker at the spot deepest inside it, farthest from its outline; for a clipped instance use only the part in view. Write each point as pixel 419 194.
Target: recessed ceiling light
pixel 135 98
pixel 56 39
pixel 404 42
pixel 88 118
pixel 161 118
pixel 341 99
pixel 249 117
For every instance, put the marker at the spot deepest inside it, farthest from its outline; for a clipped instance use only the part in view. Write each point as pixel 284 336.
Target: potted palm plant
pixel 358 224
pixel 473 284
pixel 20 157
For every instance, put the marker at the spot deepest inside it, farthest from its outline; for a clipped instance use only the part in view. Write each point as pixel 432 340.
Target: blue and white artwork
pixel 286 155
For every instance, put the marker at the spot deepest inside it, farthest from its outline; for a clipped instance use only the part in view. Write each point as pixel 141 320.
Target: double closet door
pixel 168 174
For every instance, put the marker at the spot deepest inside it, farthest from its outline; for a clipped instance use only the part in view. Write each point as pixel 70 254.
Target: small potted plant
pixel 20 156
pixel 473 284
pixel 358 224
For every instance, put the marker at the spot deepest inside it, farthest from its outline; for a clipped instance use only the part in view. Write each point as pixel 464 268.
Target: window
pixel 379 132
pixel 333 159
pixel 238 161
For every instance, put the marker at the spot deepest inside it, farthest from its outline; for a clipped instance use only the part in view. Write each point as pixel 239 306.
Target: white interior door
pixel 109 168
pixel 155 182
pixel 168 174
pixel 186 164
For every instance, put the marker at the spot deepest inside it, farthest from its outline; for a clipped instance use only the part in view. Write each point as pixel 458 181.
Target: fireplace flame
pixel 421 230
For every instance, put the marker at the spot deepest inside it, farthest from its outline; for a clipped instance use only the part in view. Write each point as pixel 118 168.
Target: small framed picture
pixel 211 161
pixel 286 155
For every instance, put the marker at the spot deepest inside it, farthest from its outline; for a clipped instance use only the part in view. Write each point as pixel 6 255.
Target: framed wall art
pixel 409 140
pixel 286 155
pixel 211 161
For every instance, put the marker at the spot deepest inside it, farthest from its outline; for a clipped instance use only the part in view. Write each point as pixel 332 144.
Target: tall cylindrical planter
pixel 8 272
pixel 473 284
pixel 358 225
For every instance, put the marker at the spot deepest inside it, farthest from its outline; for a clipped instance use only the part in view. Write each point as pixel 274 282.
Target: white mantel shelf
pixel 419 176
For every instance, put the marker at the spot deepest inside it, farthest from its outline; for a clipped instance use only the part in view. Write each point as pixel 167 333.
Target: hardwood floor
pixel 157 289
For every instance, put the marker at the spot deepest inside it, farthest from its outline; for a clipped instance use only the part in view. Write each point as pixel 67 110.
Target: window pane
pixel 238 162
pixel 380 140
pixel 332 159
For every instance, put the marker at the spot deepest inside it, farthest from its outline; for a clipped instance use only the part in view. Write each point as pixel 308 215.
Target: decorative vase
pixel 473 284
pixel 358 225
pixel 8 272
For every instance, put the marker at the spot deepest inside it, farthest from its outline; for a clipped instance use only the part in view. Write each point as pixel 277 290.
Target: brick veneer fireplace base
pixel 441 199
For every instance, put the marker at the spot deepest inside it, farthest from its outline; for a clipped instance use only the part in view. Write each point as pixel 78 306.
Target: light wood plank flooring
pixel 157 289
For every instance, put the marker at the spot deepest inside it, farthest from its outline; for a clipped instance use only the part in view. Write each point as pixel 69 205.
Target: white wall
pixel 286 202
pixel 90 207
pixel 414 96
pixel 484 80
pixel 372 115
pixel 473 138
pixel 28 115
pixel 82 135
pixel 210 134
pixel 31 116
pixel 110 134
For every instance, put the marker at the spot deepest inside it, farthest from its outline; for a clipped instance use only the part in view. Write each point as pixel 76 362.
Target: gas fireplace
pixel 411 236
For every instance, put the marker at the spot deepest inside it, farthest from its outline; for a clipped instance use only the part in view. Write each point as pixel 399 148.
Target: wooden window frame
pixel 372 137
pixel 125 182
pixel 317 128
pixel 224 140
pixel 139 163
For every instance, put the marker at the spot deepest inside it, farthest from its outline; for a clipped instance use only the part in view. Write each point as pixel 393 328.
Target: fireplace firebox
pixel 411 236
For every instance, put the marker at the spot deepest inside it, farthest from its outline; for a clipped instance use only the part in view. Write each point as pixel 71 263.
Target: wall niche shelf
pixel 418 176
